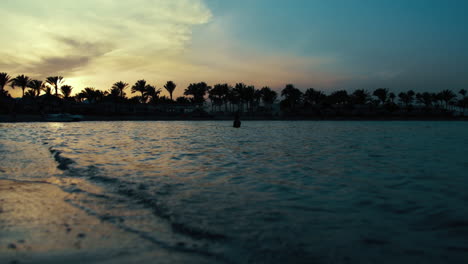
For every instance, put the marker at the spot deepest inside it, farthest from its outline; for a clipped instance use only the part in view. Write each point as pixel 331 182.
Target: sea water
pixel 269 192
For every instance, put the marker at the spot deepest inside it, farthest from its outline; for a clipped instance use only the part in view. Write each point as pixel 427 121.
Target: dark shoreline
pixel 104 118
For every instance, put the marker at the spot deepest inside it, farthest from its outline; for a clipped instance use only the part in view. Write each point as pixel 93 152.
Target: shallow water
pixel 270 192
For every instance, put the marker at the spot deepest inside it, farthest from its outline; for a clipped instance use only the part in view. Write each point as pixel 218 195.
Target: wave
pixel 63 162
pixel 161 210
pixel 138 193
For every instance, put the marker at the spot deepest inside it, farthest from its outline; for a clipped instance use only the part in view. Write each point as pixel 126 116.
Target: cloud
pixel 95 36
pixel 76 55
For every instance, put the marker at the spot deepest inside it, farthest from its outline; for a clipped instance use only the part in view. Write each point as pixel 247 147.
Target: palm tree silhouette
pixel 227 89
pixel 382 94
pixel 249 97
pixel 340 97
pixel 463 102
pixel 66 91
pixel 47 89
pixel 141 86
pixel 239 92
pixel 392 97
pixel 407 98
pixel 233 98
pixel 170 87
pixel 256 100
pixel 220 93
pixel 182 100
pixel 90 94
pixel 216 95
pixel 314 97
pixel 21 81
pixel 425 99
pixel 292 96
pixel 462 92
pixel 152 94
pixel 360 97
pixel 447 96
pixel 268 96
pixel 198 91
pixel 120 86
pixel 30 93
pixel 55 82
pixel 36 86
pixel 115 92
pixel 5 79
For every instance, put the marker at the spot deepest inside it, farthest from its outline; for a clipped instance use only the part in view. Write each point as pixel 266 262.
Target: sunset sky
pixel 325 44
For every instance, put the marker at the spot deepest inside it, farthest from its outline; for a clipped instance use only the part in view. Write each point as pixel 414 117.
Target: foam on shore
pixel 37 225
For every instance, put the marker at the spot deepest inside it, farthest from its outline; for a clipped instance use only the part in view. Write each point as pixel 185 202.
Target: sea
pixel 268 192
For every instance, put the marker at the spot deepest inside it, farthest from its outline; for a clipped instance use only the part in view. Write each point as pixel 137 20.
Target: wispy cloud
pixel 87 37
pixel 75 55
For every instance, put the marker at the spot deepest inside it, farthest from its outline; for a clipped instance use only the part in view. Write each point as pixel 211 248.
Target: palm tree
pixel 249 97
pixel 392 97
pixel 120 86
pixel 233 98
pixel 182 100
pixel 141 87
pixel 66 91
pixel 4 93
pixel 382 94
pixel 447 96
pixel 222 92
pixel 216 95
pixel 268 96
pixel 257 98
pixel 21 81
pixel 411 95
pixel 462 92
pixel 425 99
pixel 360 97
pixel 463 102
pixel 292 96
pixel 198 91
pixel 36 86
pixel 239 93
pixel 90 94
pixel 30 93
pixel 55 82
pixel 115 92
pixel 340 97
pixel 314 97
pixel 152 93
pixel 5 79
pixel 47 89
pixel 170 87
pixel 407 98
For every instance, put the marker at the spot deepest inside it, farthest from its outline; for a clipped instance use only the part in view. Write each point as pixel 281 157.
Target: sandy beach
pixel 37 225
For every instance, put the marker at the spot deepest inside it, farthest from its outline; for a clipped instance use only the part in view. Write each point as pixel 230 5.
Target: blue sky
pixel 325 44
pixel 417 44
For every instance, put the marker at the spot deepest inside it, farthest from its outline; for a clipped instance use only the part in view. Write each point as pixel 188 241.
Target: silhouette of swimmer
pixel 237 122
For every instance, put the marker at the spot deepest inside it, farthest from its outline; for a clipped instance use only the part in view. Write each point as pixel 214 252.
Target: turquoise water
pixel 270 192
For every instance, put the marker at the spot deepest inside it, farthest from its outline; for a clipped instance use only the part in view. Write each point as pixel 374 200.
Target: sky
pixel 325 44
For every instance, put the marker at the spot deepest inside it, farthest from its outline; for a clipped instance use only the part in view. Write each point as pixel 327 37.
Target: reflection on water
pixel 270 192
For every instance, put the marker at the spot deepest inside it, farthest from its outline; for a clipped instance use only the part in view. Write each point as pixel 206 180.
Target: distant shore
pixel 39 118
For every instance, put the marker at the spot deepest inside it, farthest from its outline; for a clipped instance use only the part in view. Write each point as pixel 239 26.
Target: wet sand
pixel 37 225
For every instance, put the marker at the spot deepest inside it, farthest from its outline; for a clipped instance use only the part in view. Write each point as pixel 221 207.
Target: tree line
pixel 380 99
pixel 243 98
pixel 222 96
